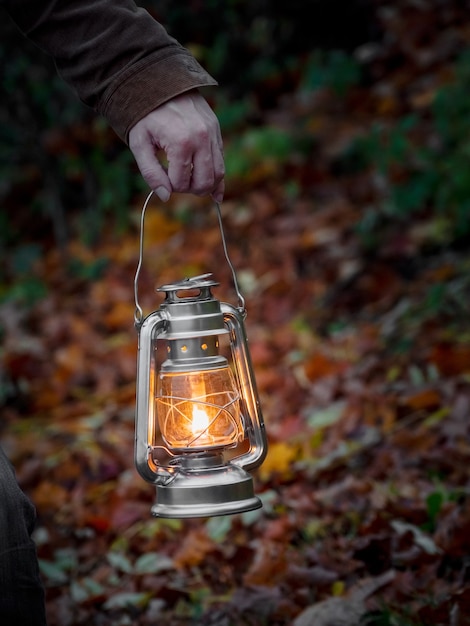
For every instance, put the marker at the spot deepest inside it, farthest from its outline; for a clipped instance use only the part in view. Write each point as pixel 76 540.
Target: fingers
pixel 188 131
pixel 150 167
pixel 218 193
pixel 197 168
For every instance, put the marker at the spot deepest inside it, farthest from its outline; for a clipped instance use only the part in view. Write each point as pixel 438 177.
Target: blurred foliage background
pixel 367 100
pixel 59 157
pixel 347 141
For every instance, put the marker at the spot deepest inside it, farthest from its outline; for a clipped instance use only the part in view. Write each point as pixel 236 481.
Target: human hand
pixel 188 131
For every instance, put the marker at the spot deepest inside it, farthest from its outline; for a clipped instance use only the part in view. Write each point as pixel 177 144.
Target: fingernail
pixel 162 193
pixel 218 197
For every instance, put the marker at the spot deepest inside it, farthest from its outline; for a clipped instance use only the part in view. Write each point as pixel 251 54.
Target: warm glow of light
pixel 200 421
pixel 199 410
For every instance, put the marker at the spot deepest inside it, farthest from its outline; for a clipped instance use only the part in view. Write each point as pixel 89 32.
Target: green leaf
pixel 127 599
pixel 120 562
pixel 53 571
pixel 422 540
pixel 327 416
pixel 152 563
pixel 434 503
pixel 24 258
pixel 85 589
pixel 219 527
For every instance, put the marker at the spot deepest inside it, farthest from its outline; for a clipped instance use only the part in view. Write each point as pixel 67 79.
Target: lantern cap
pixel 192 314
pixel 202 282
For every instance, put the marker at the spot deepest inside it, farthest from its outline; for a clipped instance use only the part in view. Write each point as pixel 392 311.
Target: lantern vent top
pixel 200 284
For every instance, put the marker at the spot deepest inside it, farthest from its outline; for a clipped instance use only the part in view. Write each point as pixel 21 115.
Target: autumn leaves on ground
pixel 362 361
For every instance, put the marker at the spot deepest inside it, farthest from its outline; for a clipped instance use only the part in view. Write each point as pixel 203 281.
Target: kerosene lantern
pixel 199 426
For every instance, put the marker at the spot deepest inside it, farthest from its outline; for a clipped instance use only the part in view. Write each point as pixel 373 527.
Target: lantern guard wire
pixel 139 314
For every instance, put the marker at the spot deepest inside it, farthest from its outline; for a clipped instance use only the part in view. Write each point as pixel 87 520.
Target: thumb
pixel 152 170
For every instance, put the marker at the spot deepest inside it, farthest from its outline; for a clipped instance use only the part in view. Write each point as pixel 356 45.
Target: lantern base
pixel 222 490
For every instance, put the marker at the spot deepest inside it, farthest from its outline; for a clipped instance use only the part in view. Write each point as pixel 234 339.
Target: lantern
pixel 199 426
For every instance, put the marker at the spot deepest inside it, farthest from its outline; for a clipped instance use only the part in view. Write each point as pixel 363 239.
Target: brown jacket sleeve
pixel 115 55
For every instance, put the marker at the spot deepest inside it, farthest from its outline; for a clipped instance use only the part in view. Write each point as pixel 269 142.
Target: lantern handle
pixel 241 299
pixel 139 314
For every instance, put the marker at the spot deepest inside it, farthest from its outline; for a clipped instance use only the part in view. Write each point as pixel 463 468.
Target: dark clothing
pixel 120 61
pixel 123 64
pixel 21 592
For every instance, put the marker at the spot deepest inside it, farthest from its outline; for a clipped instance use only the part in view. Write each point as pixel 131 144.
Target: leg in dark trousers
pixel 21 591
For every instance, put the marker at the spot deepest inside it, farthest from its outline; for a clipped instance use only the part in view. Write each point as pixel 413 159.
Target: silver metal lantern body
pixel 199 426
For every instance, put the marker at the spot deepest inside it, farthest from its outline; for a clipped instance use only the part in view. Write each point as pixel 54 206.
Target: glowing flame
pixel 200 421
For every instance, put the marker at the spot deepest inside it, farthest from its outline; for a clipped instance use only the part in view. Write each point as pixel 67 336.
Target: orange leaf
pixel 426 399
pixel 269 564
pixel 194 548
pixel 98 522
pixel 279 459
pixel 451 360
pixel 120 316
pixel 159 227
pixel 320 365
pixel 49 495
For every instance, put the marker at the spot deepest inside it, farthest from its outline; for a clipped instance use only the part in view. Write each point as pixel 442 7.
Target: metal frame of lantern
pixel 195 409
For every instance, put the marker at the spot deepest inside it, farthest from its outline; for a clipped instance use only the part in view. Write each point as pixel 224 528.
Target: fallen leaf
pixel 269 564
pixel 278 460
pixel 193 549
pixel 346 611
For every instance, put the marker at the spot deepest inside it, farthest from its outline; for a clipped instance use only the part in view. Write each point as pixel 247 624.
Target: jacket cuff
pixel 156 79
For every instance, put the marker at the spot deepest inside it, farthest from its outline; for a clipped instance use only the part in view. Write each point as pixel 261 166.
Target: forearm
pixel 115 55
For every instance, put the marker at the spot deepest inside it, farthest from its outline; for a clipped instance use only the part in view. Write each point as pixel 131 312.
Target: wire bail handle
pixel 139 314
